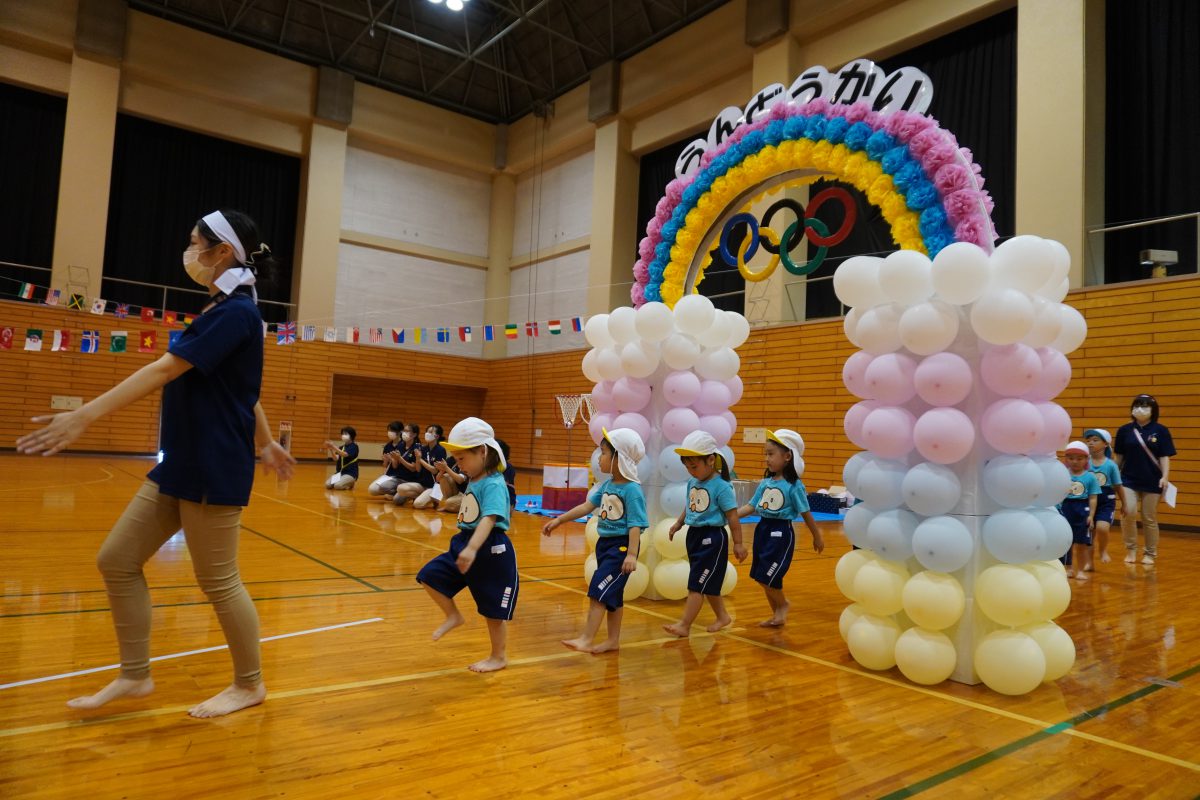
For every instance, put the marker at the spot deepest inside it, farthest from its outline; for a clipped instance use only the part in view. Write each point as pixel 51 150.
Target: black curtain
pixel 166 178
pixel 1151 160
pixel 31 128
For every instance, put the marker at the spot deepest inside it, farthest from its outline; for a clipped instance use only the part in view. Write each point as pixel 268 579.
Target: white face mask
pixel 345 437
pixel 407 436
pixel 430 438
pixel 392 435
pixel 198 272
pixel 1141 414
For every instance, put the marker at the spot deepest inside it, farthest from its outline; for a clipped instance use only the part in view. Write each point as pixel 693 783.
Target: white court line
pixel 187 653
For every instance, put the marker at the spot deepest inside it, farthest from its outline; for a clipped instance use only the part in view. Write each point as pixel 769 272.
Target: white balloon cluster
pixel 664 373
pixel 961 358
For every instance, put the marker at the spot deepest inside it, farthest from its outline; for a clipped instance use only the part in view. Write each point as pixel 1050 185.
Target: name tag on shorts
pixel 498 548
pixel 706 541
pixel 776 534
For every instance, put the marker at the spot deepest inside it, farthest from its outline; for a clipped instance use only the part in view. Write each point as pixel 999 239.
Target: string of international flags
pixel 286 333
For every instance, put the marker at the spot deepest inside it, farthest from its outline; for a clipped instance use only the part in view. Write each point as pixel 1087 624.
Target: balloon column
pixel 664 373
pixel 960 361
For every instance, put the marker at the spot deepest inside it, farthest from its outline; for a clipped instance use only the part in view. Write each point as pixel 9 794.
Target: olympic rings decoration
pixel 780 247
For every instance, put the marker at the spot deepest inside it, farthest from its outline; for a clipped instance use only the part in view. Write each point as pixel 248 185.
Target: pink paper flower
pixel 952 178
pixel 662 211
pixel 674 192
pixel 654 229
pixel 961 205
pixel 641 272
pixel 780 110
pixel 905 125
pixel 646 249
pixel 818 105
pixel 938 156
pixel 923 141
pixel 638 295
pixel 976 230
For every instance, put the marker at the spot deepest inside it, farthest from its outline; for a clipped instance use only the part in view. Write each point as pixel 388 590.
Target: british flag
pixel 285 333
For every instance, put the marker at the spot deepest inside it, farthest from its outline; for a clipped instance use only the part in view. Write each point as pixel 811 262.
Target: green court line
pixel 1000 752
pixel 300 552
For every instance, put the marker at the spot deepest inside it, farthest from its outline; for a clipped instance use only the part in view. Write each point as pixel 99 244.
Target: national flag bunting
pixel 99 305
pixel 376 335
pixel 398 335
pixel 185 320
pixel 33 339
pixel 310 333
pixel 116 341
pixel 147 315
pixel 464 333
pixel 352 335
pixel 121 311
pixel 418 335
pixel 26 291
pixel 489 333
pixel 62 341
pixel 531 329
pixel 89 342
pixel 170 318
pixel 443 335
pixel 285 333
pixel 75 302
pixel 6 338
pixel 53 296
pixel 577 324
pixel 331 334
pixel 510 330
pixel 554 326
pixel 147 341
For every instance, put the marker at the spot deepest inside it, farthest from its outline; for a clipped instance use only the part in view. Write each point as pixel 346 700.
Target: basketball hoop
pixel 572 405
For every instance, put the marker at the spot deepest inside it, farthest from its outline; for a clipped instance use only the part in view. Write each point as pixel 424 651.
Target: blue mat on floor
pixel 532 504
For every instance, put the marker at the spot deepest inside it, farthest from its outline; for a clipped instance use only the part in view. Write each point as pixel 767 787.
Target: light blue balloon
pixel 879 483
pixel 727 454
pixel 855 524
pixel 597 473
pixel 1057 530
pixel 890 534
pixel 1057 481
pixel 671 467
pixel 942 544
pixel 1013 481
pixel 931 489
pixel 1014 537
pixel 673 499
pixel 854 465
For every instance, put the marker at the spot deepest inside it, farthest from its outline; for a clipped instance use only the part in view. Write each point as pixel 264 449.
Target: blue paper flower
pixel 835 130
pixel 894 159
pixel 878 143
pixel 856 137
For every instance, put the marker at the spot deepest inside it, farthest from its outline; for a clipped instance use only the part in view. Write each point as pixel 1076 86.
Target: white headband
pixel 220 226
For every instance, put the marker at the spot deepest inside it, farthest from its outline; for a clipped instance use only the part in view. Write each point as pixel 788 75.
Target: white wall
pixel 552 289
pixel 553 206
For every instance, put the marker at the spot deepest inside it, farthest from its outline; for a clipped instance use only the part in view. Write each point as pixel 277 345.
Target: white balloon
pixel 673 499
pixel 850 326
pixel 906 277
pixel 929 327
pixel 852 469
pixel 591 367
pixel 670 465
pixel 960 273
pixel 608 363
pixel 1002 316
pixel 739 329
pixel 622 325
pixel 1062 262
pixel 639 359
pixel 680 351
pixel 596 331
pixel 654 321
pixel 931 489
pixel 878 330
pixel 1024 263
pixel 879 483
pixel 1047 322
pixel 1057 292
pixel 693 314
pixel 720 364
pixel 717 333
pixel 856 282
pixel 1013 481
pixel 1074 330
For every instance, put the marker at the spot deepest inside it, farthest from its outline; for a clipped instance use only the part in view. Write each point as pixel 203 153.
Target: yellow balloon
pixel 670 548
pixel 670 578
pixel 1010 662
pixel 637 582
pixel 645 543
pixel 879 587
pixel 850 615
pixel 1009 595
pixel 731 576
pixel 1056 590
pixel 847 567
pixel 933 600
pixel 1056 646
pixel 1058 565
pixel 872 641
pixel 924 656
pixel 591 531
pixel 589 567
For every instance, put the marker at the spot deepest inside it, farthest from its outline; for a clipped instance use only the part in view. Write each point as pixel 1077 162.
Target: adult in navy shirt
pixel 211 424
pixel 1142 449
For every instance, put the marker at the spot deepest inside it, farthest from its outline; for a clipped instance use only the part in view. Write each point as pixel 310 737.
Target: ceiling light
pixel 436 2
pixel 454 5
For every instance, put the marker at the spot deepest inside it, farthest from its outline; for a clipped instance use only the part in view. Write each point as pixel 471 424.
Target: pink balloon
pixel 853 422
pixel 718 427
pixel 1056 427
pixel 735 387
pixel 635 422
pixel 854 374
pixel 714 398
pixel 681 388
pixel 1010 370
pixel 1056 374
pixel 631 394
pixel 602 397
pixel 597 425
pixel 888 431
pixel 1012 426
pixel 943 379
pixel 677 423
pixel 889 378
pixel 729 417
pixel 944 435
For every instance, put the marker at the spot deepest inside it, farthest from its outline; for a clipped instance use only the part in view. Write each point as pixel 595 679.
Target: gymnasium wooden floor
pixel 363 705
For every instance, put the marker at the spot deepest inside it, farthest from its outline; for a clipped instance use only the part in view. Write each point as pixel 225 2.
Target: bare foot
pixel 1080 576
pixel 676 629
pixel 722 622
pixel 779 619
pixel 233 698
pixel 581 644
pixel 450 624
pixel 1089 568
pixel 1104 559
pixel 489 664
pixel 771 623
pixel 121 687
pixel 607 646
pixel 1071 573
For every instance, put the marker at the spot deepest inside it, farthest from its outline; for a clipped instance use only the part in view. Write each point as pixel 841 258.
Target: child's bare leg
pixel 1089 563
pixel 613 641
pixel 718 606
pixel 498 633
pixel 583 642
pixel 691 608
pixel 1102 541
pixel 1079 552
pixel 779 607
pixel 448 607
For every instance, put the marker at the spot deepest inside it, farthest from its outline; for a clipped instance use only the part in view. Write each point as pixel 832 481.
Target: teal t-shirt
pixel 485 497
pixel 708 501
pixel 1107 475
pixel 775 498
pixel 1083 486
pixel 619 507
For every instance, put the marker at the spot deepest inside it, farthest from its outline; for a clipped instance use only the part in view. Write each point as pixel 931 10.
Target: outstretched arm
pixel 274 457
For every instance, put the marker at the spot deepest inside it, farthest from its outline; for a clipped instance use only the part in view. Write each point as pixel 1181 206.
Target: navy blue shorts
pixel 1076 512
pixel 708 555
pixel 492 579
pixel 774 543
pixel 608 582
pixel 1106 507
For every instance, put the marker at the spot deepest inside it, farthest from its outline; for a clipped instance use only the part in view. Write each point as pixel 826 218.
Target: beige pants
pixel 1149 503
pixel 211 531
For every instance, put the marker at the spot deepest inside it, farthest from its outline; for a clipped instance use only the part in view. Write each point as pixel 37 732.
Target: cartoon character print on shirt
pixel 612 506
pixel 1077 489
pixel 1101 478
pixel 468 512
pixel 698 500
pixel 772 499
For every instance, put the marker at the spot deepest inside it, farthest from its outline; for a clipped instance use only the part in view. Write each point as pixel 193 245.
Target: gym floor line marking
pixel 319 690
pixel 186 653
pixel 300 552
pixel 108 477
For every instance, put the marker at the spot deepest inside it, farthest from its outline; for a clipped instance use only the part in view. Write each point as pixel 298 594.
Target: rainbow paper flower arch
pixel 929 189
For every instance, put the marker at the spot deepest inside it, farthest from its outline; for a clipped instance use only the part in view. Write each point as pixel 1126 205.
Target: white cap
pixel 1078 447
pixel 630 450
pixel 472 432
pixel 700 443
pixel 792 441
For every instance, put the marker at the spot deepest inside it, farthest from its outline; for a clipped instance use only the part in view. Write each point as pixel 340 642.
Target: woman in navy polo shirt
pixel 212 422
pixel 1142 449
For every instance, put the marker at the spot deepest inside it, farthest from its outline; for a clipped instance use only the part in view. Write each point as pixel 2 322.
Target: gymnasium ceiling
pixel 496 60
